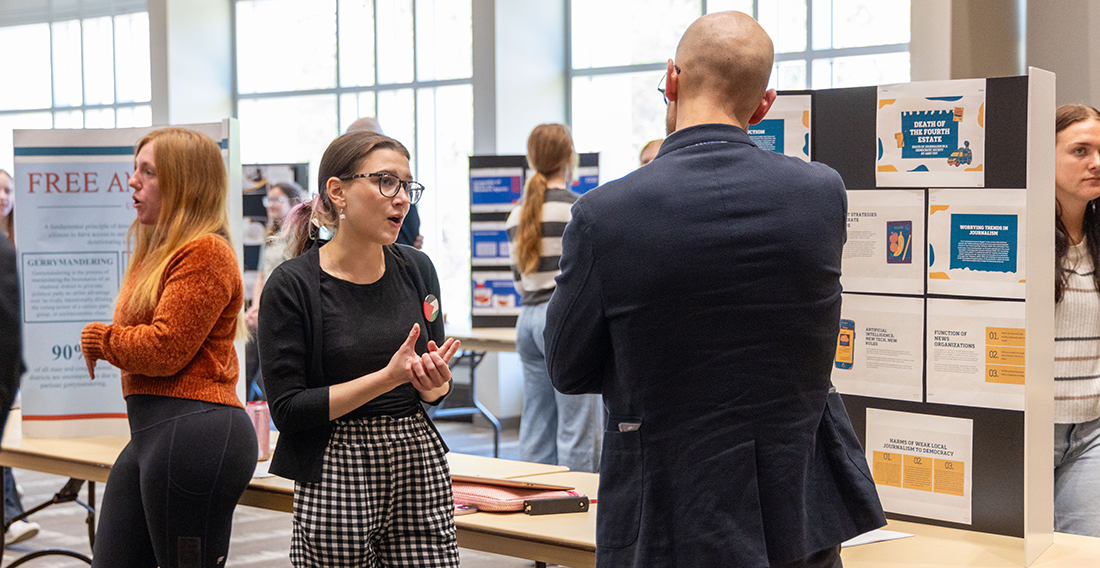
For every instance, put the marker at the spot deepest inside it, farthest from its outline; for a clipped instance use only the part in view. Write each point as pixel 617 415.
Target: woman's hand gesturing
pixel 426 372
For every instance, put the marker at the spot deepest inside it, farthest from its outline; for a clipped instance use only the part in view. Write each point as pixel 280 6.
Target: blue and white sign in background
pixel 495 189
pixel 494 294
pixel 768 134
pixel 586 178
pixel 489 243
pixel 984 242
pixel 786 128
pixel 974 242
pixel 75 206
pixel 931 134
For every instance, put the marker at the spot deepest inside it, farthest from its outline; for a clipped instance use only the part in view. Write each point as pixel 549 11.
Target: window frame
pixel 808 55
pixel 84 107
pixel 416 84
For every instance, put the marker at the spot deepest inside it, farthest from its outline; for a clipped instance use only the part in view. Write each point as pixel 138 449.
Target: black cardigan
pixel 290 337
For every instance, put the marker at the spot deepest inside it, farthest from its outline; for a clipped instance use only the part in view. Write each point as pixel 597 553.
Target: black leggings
pixel 170 497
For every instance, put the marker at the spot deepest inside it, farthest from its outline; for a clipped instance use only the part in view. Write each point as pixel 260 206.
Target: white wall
pixel 530 69
pixel 191 53
pixel 1063 36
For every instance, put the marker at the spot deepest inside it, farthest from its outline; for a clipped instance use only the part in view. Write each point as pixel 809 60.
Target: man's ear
pixel 672 82
pixel 765 106
pixel 335 189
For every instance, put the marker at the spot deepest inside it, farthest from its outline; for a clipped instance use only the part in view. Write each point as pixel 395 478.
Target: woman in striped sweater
pixel 555 428
pixel 1077 322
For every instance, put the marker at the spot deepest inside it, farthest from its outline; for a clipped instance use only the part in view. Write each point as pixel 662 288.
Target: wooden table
pixel 484 338
pixel 938 547
pixel 566 539
pixel 569 539
pixel 277 493
pixel 90 459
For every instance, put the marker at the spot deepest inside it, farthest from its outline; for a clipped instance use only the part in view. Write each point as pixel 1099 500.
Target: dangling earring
pixel 342 216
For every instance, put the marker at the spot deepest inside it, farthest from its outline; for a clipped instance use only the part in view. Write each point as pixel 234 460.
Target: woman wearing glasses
pixel 555 428
pixel 351 342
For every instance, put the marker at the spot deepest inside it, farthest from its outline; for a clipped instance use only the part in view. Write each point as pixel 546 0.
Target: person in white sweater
pixel 1077 322
pixel 554 428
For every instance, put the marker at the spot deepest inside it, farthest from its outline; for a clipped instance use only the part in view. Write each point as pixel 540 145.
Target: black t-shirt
pixel 364 325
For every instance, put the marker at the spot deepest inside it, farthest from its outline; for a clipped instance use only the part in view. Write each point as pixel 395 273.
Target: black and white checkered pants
pixel 384 499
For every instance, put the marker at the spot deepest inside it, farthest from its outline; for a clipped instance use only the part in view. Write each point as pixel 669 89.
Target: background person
pixel 649 151
pixel 348 344
pixel 1076 317
pixel 280 198
pixel 192 448
pixel 17 531
pixel 703 301
pixel 7 206
pixel 554 428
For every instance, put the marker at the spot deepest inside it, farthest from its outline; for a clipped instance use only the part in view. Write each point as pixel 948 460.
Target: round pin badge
pixel 431 308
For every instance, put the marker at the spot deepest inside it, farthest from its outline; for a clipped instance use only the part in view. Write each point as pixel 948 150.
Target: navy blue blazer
pixel 701 296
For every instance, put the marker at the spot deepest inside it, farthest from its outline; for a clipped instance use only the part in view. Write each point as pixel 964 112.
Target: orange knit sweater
pixel 183 348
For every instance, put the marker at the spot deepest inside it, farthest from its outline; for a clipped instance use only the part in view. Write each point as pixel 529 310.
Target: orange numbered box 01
pixel 1004 355
pixel 886 468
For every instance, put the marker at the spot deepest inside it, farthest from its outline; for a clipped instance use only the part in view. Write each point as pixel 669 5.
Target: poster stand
pixel 956 418
pixel 496 186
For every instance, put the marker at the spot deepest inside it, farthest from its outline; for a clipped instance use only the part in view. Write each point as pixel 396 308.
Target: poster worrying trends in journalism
pixel 976 353
pixel 931 134
pixel 786 128
pixel 884 252
pixel 976 242
pixel 880 347
pixel 922 464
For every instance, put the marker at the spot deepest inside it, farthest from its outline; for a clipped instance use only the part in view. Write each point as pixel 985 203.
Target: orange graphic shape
pixel 981 115
pixel 884 102
pixel 977 168
pixel 806 118
pixel 932 210
pixel 900 138
pixel 958 114
pixel 887 169
pixel 939 276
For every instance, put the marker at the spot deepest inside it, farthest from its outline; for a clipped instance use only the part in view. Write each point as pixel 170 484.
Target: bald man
pixel 649 151
pixel 700 295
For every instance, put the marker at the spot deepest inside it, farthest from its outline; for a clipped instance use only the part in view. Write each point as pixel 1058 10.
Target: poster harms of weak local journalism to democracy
pixel 976 353
pixel 880 347
pixel 931 134
pixel 976 242
pixel 786 128
pixel 922 464
pixel 884 252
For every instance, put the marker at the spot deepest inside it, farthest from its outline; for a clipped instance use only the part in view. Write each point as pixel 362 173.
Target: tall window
pixel 307 70
pixel 75 73
pixel 619 48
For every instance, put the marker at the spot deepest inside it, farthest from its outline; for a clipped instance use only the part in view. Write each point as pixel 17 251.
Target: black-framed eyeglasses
pixel 389 185
pixel 270 200
pixel 661 84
